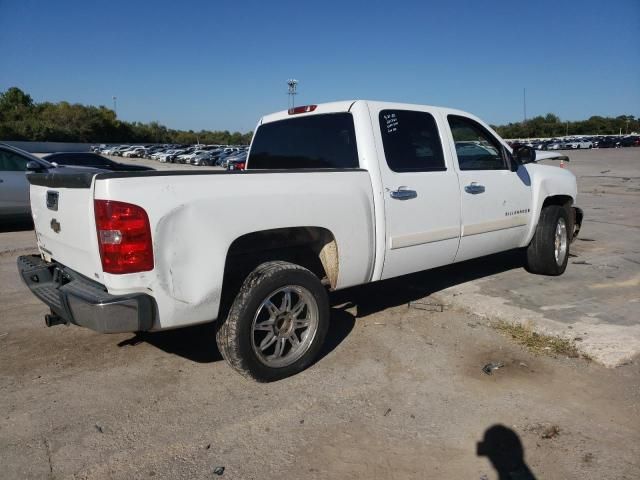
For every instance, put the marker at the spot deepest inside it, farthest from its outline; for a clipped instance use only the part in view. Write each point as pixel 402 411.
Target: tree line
pixel 23 119
pixel 550 125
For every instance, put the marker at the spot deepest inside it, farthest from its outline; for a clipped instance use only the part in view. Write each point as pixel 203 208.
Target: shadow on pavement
pixel 198 343
pixel 378 296
pixel 16 225
pixel 503 448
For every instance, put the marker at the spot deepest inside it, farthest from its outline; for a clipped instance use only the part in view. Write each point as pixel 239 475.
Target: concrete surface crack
pixel 48 448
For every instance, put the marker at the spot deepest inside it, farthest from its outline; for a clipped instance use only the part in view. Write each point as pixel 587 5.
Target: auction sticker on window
pixel 391 121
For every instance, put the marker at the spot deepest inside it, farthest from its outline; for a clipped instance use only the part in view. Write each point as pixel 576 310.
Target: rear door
pixel 421 192
pixel 495 200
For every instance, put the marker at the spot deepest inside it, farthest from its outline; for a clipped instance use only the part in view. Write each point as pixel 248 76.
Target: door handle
pixel 474 188
pixel 403 193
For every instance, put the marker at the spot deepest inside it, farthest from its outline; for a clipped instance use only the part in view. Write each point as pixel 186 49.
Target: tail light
pixel 124 237
pixel 302 109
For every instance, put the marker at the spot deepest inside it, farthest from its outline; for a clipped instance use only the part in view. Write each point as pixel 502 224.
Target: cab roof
pixel 346 105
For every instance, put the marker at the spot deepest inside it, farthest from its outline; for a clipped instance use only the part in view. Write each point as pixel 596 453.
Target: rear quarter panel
pixel 195 219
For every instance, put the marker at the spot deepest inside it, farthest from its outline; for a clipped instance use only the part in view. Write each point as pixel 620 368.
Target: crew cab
pixel 333 195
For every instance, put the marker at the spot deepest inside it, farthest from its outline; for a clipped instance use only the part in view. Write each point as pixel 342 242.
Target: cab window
pixel 476 148
pixel 411 141
pixel 316 141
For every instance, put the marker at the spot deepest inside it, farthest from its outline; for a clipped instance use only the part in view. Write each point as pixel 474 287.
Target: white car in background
pixel 579 143
pixel 134 152
pixel 109 150
pixel 118 151
pixel 189 157
pixel 169 155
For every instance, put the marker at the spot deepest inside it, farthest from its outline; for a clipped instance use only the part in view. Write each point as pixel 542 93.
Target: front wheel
pixel 548 252
pixel 277 323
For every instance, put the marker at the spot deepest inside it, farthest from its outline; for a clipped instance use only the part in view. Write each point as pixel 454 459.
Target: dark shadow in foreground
pixel 16 224
pixel 198 343
pixel 503 448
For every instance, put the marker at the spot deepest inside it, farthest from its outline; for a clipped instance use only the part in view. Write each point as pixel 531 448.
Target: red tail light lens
pixel 124 237
pixel 302 109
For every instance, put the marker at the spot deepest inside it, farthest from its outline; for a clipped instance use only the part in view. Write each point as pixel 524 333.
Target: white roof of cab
pixel 345 106
pixel 330 107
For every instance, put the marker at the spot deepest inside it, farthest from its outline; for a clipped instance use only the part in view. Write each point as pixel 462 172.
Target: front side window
pixel 316 141
pixel 12 162
pixel 411 141
pixel 476 148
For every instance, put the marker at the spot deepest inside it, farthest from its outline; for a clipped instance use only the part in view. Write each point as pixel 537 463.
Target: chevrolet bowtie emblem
pixel 55 225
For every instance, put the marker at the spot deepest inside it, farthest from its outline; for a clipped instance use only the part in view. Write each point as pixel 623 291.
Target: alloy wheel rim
pixel 560 242
pixel 284 326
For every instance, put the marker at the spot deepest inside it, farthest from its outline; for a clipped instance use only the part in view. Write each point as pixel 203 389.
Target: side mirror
pixel 34 166
pixel 524 154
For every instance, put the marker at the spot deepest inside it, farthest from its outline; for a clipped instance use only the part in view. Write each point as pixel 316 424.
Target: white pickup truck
pixel 334 195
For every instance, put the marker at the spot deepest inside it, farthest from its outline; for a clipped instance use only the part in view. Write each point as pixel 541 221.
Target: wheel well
pixel 560 200
pixel 314 248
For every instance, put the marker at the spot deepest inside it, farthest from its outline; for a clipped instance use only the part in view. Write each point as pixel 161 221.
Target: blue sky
pixel 221 64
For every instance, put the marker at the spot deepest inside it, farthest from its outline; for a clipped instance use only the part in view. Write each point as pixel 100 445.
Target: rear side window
pixel 317 141
pixel 476 148
pixel 411 141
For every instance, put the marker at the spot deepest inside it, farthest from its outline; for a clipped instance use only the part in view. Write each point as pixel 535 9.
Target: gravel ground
pixel 398 392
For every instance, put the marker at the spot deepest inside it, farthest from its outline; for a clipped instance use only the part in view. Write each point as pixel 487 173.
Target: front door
pixel 495 200
pixel 421 192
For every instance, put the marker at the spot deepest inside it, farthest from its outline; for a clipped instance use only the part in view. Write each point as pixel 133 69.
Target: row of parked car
pixel 231 157
pixel 576 143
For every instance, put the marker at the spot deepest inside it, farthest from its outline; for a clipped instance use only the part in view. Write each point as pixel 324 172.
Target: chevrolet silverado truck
pixel 334 195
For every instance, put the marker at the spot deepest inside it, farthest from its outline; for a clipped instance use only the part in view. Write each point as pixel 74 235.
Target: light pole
pixel 115 105
pixel 292 83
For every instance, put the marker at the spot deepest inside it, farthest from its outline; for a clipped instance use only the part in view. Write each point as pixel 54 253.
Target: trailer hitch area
pixel 51 320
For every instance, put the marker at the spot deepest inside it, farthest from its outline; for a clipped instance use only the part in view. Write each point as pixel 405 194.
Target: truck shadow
pixel 198 343
pixel 378 296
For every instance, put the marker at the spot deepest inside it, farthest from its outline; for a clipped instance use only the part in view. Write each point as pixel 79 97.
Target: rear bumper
pixel 83 302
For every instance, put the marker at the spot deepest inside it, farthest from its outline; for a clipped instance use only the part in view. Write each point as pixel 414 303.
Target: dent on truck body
pixel 183 242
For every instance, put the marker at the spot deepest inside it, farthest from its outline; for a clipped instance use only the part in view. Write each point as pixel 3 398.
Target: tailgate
pixel 62 209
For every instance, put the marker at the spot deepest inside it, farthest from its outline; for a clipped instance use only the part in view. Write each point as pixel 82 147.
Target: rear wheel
pixel 277 323
pixel 548 252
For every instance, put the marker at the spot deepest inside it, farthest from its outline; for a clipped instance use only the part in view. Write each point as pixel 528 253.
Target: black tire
pixel 541 256
pixel 235 334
